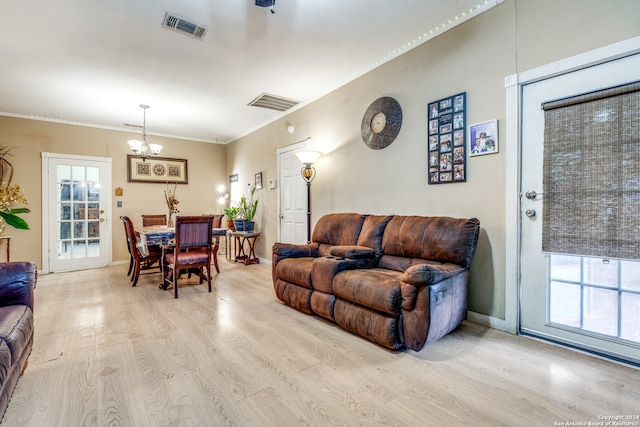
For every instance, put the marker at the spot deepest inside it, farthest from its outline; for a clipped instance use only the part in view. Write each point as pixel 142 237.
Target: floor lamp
pixel 308 158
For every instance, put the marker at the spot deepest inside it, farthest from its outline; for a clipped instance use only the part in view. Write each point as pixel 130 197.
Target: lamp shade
pixel 308 157
pixel 135 145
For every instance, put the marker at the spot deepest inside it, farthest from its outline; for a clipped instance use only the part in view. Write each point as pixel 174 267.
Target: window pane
pixel 79 230
pixel 600 311
pixel 631 275
pixel 630 317
pixel 564 304
pixel 565 268
pixel 601 272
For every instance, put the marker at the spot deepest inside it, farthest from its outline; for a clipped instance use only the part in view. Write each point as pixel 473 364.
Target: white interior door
pixel 76 228
pixel 292 197
pixel 590 303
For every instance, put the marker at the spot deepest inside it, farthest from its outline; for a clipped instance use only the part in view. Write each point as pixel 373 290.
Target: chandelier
pixel 143 148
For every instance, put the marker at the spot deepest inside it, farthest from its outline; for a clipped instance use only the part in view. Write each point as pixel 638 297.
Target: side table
pixel 8 239
pixel 240 238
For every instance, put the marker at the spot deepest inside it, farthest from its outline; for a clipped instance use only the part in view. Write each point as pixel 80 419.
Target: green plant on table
pixel 231 212
pixel 248 206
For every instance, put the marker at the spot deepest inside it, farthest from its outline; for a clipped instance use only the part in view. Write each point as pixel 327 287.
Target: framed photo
pixel 259 180
pixel 446 145
pixel 233 178
pixel 483 138
pixel 157 170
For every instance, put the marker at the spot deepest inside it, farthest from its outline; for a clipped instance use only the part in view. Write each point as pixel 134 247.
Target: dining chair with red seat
pixel 149 220
pixel 138 261
pixel 191 249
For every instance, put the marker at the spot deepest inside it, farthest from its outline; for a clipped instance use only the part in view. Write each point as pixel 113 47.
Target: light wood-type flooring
pixel 107 354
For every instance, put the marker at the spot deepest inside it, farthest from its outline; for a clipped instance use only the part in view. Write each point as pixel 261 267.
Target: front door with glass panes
pixel 592 303
pixel 78 237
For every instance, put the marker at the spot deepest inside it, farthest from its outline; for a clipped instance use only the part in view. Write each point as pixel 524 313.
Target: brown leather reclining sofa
pixel 399 281
pixel 17 284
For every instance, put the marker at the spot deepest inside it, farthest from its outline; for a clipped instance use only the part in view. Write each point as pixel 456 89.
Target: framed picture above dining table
pixel 157 170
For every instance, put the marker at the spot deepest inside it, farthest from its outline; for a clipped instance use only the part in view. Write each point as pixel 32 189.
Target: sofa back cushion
pixel 372 232
pixel 442 239
pixel 338 229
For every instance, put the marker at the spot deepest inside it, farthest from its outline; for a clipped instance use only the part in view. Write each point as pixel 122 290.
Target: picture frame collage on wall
pixel 446 140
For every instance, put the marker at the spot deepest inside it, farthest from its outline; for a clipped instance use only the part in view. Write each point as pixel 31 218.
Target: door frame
pixel 46 205
pixel 513 86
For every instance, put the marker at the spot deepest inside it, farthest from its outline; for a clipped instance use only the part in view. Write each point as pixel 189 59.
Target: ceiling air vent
pixel 181 25
pixel 273 102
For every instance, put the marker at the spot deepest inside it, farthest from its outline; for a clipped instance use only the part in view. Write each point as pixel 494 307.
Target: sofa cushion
pixel 324 270
pixel 338 229
pixel 443 239
pixel 16 329
pixel 374 288
pixel 399 263
pixel 373 231
pixel 296 270
pixel 352 252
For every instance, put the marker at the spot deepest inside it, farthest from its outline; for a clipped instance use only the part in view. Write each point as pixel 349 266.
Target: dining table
pixel 162 235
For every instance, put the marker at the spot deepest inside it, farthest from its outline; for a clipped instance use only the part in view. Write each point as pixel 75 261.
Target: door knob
pixel 530 213
pixel 531 195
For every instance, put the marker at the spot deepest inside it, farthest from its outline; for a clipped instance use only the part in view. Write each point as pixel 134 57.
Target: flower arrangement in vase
pixel 10 195
pixel 172 203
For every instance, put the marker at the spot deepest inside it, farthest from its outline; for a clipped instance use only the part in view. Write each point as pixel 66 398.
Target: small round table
pixel 250 238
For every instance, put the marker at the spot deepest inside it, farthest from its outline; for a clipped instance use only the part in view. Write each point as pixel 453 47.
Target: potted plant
pixel 231 213
pixel 248 208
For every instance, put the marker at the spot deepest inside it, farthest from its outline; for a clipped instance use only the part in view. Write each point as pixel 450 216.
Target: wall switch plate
pixel 119 203
pixel 271 183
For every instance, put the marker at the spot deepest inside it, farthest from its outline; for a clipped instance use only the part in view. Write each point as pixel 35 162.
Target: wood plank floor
pixel 107 354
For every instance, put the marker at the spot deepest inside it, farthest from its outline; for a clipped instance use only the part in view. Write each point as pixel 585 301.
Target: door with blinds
pixel 580 204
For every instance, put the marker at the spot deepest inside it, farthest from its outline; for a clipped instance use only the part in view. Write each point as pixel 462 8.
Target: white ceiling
pixel 93 62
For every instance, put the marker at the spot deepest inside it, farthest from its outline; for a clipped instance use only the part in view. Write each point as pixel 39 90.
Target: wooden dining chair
pixel 191 250
pixel 215 238
pixel 138 261
pixel 148 220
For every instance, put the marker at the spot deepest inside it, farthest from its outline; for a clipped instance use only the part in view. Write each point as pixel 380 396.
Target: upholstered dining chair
pixel 191 249
pixel 148 220
pixel 138 261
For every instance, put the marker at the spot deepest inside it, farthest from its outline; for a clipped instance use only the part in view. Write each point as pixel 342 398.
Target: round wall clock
pixel 381 123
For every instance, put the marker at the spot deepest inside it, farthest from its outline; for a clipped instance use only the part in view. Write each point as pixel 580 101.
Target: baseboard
pixel 488 321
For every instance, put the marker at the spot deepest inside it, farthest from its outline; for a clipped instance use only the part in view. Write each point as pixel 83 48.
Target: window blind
pixel 591 175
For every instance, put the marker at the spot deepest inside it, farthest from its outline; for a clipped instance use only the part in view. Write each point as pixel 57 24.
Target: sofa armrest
pixel 421 275
pixel 353 252
pixel 289 250
pixel 426 274
pixel 17 283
